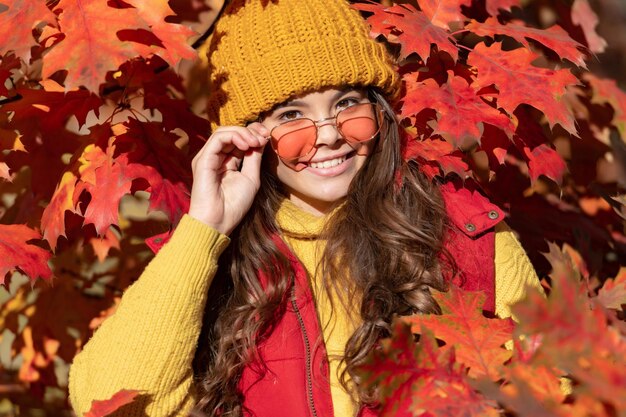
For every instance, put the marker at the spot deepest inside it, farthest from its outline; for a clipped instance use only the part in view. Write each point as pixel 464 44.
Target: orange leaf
pixel 477 340
pixel 53 217
pixel 443 12
pixel 172 36
pixel 106 407
pixel 107 179
pixel 494 5
pixel 410 28
pixel 16 253
pixel 91 46
pixel 519 82
pixel 461 114
pixel 17 21
pixel 613 292
pixel 402 368
pixel 554 37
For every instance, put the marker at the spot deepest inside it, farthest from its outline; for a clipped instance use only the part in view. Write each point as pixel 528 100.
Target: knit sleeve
pixel 150 341
pixel 514 272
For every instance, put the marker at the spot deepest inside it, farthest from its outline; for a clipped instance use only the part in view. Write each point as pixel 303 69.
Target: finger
pixel 259 129
pixel 252 164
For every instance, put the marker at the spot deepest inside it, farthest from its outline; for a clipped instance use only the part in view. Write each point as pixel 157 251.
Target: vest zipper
pixel 307 348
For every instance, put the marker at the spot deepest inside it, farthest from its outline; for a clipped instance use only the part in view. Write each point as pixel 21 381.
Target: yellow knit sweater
pixel 149 343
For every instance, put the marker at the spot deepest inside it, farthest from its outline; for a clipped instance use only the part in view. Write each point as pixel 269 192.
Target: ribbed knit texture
pixel 149 343
pixel 263 52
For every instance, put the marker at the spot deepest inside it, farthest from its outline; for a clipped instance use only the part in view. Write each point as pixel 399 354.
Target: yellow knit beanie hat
pixel 262 52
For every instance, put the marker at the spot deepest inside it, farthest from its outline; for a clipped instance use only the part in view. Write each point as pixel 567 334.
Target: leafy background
pixel 102 108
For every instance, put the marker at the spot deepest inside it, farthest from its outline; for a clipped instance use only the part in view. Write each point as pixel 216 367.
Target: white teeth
pixel 328 164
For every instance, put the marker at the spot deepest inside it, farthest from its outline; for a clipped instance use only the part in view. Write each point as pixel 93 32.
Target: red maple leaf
pixel 518 82
pixel 494 5
pixel 543 160
pixel 17 23
pixel 443 12
pixel 584 16
pixel 478 341
pixel 158 160
pixel 107 180
pixel 104 408
pixel 436 153
pixel 8 63
pixel 17 253
pixel 91 46
pixel 461 113
pixel 410 28
pixel 48 111
pixel 554 37
pixel 173 36
pixel 401 368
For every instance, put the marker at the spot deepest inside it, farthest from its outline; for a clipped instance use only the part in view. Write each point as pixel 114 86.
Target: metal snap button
pixel 470 227
pixel 493 215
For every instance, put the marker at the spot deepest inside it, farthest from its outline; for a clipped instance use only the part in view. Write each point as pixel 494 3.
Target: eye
pixel 347 102
pixel 290 115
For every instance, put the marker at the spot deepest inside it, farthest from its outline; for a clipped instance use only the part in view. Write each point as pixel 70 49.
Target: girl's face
pixel 321 180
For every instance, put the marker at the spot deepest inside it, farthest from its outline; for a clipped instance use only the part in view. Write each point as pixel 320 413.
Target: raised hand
pixel 226 175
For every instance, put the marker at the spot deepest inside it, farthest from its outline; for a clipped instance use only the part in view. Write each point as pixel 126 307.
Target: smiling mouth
pixel 331 162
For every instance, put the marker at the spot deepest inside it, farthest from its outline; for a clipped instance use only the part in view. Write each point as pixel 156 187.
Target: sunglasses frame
pixel 292 162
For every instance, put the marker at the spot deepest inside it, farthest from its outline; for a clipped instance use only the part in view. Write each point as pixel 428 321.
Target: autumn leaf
pixel 107 180
pixel 17 253
pixel 410 28
pixel 102 245
pixel 607 91
pixel 584 16
pixel 402 367
pixel 50 110
pixel 443 12
pixel 519 82
pixel 18 18
pixel 543 160
pixel 161 163
pixel 436 153
pixel 106 407
pixel 53 217
pixel 478 341
pixel 8 64
pixel 554 37
pixel 91 46
pixel 5 171
pixel 494 5
pixel 461 113
pixel 613 292
pixel 174 37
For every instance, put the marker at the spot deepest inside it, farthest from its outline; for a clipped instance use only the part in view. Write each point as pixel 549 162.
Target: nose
pixel 327 133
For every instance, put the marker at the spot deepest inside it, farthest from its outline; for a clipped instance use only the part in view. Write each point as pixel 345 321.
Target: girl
pixel 321 231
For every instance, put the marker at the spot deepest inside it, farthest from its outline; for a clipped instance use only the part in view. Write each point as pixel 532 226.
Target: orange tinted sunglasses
pixel 294 140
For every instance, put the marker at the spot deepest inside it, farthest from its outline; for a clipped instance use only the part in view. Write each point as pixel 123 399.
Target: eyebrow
pixel 299 103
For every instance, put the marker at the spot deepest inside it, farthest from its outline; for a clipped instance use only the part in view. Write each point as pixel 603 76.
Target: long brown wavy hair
pixel 389 236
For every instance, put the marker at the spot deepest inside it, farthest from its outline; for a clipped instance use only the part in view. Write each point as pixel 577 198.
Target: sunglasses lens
pixel 358 123
pixel 293 140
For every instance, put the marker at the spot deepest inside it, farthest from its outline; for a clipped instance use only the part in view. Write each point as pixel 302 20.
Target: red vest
pixel 296 379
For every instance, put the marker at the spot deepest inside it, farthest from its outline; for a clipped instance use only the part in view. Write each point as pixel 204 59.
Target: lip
pixel 333 171
pixel 330 157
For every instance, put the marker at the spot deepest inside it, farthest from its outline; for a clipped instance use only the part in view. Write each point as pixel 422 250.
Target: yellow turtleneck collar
pixel 296 222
